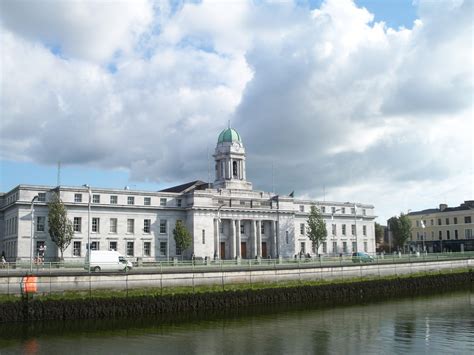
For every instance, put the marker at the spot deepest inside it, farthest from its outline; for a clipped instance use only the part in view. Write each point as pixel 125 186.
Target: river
pixel 440 324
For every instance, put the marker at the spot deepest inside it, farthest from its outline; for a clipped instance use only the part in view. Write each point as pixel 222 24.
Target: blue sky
pixel 135 93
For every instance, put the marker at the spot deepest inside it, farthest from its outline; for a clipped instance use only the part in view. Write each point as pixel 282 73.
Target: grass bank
pixel 137 302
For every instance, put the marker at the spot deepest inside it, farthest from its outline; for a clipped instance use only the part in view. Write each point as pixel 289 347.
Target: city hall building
pixel 227 219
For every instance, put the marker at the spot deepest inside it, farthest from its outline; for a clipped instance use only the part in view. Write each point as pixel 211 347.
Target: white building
pixel 444 228
pixel 227 220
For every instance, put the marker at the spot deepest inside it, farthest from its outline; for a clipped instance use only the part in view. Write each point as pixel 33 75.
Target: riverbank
pixel 154 302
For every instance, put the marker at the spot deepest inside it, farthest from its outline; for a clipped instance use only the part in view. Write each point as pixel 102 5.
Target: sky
pixel 340 100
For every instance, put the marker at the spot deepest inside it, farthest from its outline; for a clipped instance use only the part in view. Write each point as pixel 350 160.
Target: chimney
pixel 442 207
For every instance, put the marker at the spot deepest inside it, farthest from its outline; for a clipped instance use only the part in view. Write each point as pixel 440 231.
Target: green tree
pixel 317 231
pixel 379 233
pixel 401 230
pixel 181 236
pixel 60 227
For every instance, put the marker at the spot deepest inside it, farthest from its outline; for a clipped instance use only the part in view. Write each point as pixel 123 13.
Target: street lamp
pixel 32 230
pixel 88 222
pixel 424 233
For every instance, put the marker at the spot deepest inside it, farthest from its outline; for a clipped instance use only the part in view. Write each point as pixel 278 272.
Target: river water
pixel 441 324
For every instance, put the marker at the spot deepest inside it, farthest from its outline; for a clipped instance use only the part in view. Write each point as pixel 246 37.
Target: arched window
pixel 234 168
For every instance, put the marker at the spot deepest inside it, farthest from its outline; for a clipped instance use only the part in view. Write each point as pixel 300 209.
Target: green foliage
pixel 401 229
pixel 60 227
pixel 181 236
pixel 317 231
pixel 379 233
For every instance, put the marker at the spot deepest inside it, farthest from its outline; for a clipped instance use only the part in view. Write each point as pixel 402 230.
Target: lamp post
pixel 332 219
pixel 32 230
pixel 89 191
pixel 355 226
pixel 423 236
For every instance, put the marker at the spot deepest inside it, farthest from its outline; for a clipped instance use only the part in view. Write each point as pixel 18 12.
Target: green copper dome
pixel 229 135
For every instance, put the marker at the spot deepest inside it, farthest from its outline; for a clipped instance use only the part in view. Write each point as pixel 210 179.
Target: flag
pixel 292 194
pixel 422 224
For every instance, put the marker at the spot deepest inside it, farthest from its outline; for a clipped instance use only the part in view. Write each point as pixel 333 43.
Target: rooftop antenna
pixel 229 123
pixel 273 182
pixel 58 179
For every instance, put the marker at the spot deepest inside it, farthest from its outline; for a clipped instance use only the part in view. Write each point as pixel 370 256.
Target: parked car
pixel 107 260
pixel 361 257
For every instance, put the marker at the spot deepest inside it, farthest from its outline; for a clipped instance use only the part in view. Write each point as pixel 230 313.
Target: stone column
pixel 238 238
pixel 274 239
pixel 232 239
pixel 216 238
pixel 259 239
pixel 253 237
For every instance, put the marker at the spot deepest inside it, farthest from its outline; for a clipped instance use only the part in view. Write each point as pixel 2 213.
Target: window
pixel 95 245
pixel 353 229
pixel 40 249
pixel 343 210
pixel 344 247
pixel 113 200
pixel 448 235
pixel 432 235
pixel 325 247
pixel 113 245
pixel 334 247
pixel 95 198
pixel 287 237
pixel 417 223
pixel 343 229
pixel 221 227
pixel 42 197
pixel 130 226
pixel 178 250
pixel 455 220
pixel 95 225
pixel 163 202
pixel 77 197
pixel 262 228
pixel 146 248
pixel 353 210
pixel 333 210
pixel 439 221
pixel 163 223
pixel 130 248
pixel 303 248
pixel 432 222
pixel 323 209
pixel 40 223
pixel 456 235
pixel 468 233
pixel 203 236
pixel 467 219
pixel 354 247
pixel 364 230
pixel 440 234
pixel 242 228
pixel 365 247
pixel 302 228
pixel 113 225
pixel 447 221
pixel 301 208
pixel 146 225
pixel 77 224
pixel 179 202
pixel 163 248
pixel 334 229
pixel 76 249
pixel 147 201
pixel 364 212
pixel 130 200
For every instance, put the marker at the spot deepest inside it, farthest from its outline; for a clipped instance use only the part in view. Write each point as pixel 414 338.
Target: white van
pixel 107 260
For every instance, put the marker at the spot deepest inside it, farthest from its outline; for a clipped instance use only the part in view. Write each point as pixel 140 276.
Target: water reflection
pixel 422 325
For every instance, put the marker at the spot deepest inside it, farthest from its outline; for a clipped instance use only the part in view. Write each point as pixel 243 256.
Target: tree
pixel 181 236
pixel 60 227
pixel 379 234
pixel 317 231
pixel 401 230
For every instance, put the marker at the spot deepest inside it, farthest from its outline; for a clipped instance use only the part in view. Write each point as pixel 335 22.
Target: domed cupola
pixel 230 161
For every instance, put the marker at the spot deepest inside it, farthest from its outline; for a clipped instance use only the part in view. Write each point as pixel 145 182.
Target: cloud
pixel 334 100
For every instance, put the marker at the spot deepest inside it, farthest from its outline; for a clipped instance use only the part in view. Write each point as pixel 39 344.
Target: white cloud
pixel 330 97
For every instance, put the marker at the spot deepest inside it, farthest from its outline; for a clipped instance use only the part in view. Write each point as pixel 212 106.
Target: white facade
pixel 228 220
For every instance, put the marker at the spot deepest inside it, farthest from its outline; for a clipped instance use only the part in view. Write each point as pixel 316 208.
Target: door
pixel 264 249
pixel 222 250
pixel 243 250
